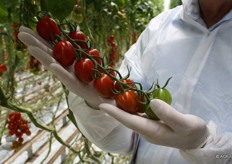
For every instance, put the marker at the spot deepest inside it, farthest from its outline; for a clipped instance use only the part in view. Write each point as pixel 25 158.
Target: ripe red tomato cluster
pixel 72 50
pixel 17 126
pixel 33 64
pixel 113 57
pixel 89 66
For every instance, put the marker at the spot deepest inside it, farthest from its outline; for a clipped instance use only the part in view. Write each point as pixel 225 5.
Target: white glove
pixel 42 51
pixel 175 130
pixel 218 149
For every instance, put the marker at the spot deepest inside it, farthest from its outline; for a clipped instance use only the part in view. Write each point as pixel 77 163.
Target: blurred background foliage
pixel 99 19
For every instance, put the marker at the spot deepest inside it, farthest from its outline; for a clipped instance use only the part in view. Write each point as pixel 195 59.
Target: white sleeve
pixel 101 129
pixel 218 149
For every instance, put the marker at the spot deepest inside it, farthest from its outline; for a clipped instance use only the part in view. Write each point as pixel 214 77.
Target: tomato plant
pixel 84 70
pixel 64 53
pixel 47 28
pixel 17 126
pixel 127 101
pixel 104 85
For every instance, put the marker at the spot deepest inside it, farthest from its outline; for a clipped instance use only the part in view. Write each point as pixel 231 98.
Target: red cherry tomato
pixel 142 104
pixel 20 140
pixel 24 127
pixel 95 54
pixel 28 132
pixel 17 115
pixel 3 68
pixel 110 39
pixel 64 53
pixel 127 101
pixel 104 85
pixel 80 38
pixel 84 70
pixel 47 28
pixel 127 81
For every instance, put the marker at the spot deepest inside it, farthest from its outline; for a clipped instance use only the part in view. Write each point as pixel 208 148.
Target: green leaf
pixel 3 13
pixel 59 9
pixel 72 118
pixel 9 3
pixel 175 3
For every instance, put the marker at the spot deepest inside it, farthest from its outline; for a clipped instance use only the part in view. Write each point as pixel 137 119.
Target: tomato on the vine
pixel 17 126
pixel 84 70
pixel 3 68
pixel 28 132
pixel 47 28
pixel 79 37
pixel 111 38
pixel 162 93
pixel 150 114
pixel 127 83
pixel 95 54
pixel 64 53
pixel 127 101
pixel 142 103
pixel 104 85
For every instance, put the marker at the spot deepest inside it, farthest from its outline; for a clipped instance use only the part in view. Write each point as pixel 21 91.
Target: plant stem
pixel 5 103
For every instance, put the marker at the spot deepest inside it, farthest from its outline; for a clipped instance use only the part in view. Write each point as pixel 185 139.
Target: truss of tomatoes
pixel 74 51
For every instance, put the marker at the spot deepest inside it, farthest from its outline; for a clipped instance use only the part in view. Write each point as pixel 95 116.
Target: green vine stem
pixel 49 148
pixel 3 127
pixel 51 134
pixel 4 102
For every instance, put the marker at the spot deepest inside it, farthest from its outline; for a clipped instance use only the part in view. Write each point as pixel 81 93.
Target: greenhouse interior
pixel 86 37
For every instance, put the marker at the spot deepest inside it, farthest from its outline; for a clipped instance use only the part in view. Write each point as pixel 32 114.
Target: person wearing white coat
pixel 191 43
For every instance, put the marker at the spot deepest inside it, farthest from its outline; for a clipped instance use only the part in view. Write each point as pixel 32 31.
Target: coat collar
pixel 191 8
pixel 191 11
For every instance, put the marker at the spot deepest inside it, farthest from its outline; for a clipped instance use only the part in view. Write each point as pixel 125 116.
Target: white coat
pixel 175 44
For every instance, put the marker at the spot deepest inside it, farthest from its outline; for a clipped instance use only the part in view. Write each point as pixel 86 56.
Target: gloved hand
pixel 217 150
pixel 174 130
pixel 42 51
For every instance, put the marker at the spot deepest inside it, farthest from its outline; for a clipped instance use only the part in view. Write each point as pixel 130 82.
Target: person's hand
pixel 174 130
pixel 42 51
